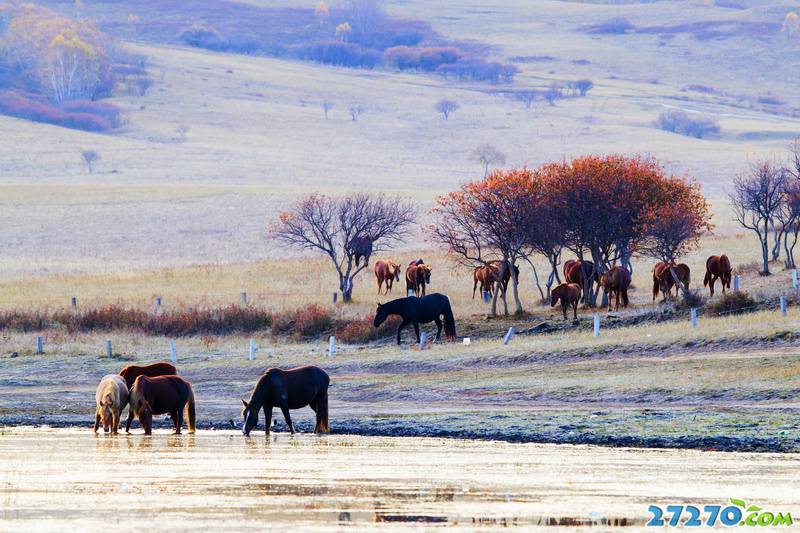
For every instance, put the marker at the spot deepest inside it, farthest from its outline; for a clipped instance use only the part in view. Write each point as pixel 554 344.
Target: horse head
pixel 554 295
pixel 249 418
pixel 396 271
pixel 427 273
pixel 380 316
pixel 145 412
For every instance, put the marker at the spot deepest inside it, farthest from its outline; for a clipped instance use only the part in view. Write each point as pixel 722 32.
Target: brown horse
pixel 417 276
pixel 111 398
pixel 615 283
pixel 386 271
pixel 570 296
pixel 161 395
pixel 663 281
pixel 497 264
pixel 288 389
pixel 575 271
pixel 131 372
pixel 486 276
pixel 718 267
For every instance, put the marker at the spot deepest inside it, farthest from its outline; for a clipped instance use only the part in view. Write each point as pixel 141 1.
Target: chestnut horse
pixel 417 276
pixel 131 372
pixel 718 267
pixel 416 311
pixel 386 271
pixel 485 275
pixel 497 264
pixel 288 389
pixel 111 398
pixel 570 296
pixel 663 280
pixel 615 282
pixel 161 395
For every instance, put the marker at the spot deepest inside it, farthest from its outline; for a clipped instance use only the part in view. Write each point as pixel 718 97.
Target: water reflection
pixel 220 479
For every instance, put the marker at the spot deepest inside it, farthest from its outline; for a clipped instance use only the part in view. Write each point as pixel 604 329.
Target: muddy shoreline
pixel 399 427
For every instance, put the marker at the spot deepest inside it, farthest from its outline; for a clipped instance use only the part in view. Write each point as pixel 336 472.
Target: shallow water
pixel 63 479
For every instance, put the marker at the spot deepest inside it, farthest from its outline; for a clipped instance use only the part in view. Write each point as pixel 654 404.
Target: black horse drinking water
pixel 288 389
pixel 418 311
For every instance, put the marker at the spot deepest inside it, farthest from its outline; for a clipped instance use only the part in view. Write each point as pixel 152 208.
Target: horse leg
pixel 96 421
pixel 574 310
pixel 438 327
pixel 177 419
pixel 129 420
pixel 475 286
pixel 564 308
pixel 711 284
pixel 116 415
pixel 285 411
pixel 267 417
pixel 416 330
pixel 400 330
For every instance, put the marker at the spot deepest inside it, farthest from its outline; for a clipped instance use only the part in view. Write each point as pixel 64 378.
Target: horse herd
pixel 579 275
pixel 157 389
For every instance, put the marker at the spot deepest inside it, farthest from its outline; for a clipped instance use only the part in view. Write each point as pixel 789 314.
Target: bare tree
pixel 756 199
pixel 789 213
pixel 356 110
pixel 553 93
pixel 340 227
pixel 90 157
pixel 445 107
pixel 488 156
pixel 327 105
pixel 365 16
pixel 527 97
pixel 581 87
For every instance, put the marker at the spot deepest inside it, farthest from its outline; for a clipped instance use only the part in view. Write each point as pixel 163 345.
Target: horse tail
pixel 190 414
pixel 449 321
pixel 707 278
pixel 322 411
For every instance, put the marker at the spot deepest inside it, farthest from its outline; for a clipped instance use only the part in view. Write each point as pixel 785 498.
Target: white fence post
pixel 251 350
pixel 794 278
pixel 509 335
pixel 423 338
pixel 109 348
pixel 335 297
pixel 466 341
pixel 332 345
pixel 173 352
pixel 596 325
pixel 736 282
pixel 74 302
pixel 410 293
pixel 783 305
pixel 39 345
pixel 244 297
pixel 693 315
pixel 486 297
pixel 158 301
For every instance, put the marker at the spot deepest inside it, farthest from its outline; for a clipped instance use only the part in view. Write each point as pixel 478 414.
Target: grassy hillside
pixel 222 140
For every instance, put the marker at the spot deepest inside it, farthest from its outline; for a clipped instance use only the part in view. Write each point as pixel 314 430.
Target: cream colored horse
pixel 111 397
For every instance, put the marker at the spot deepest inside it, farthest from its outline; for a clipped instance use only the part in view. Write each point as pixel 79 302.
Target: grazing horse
pixel 486 276
pixel 718 267
pixel 417 276
pixel 615 283
pixel 288 389
pixel 361 247
pixel 161 395
pixel 416 311
pixel 663 280
pixel 111 398
pixel 131 372
pixel 570 295
pixel 497 264
pixel 386 271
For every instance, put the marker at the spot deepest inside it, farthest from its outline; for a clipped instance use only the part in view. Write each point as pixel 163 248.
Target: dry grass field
pixel 257 136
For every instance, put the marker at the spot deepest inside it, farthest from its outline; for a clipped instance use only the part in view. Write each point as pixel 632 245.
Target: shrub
pixel 200 36
pixel 581 87
pixel 81 115
pixel 731 303
pixel 426 59
pixel 691 299
pixel 304 322
pixel 339 53
pixel 479 70
pixel 681 123
pixel 361 330
pixel 614 26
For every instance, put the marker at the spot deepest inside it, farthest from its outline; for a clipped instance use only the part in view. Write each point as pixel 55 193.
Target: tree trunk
pixel 515 290
pixel 790 250
pixel 346 287
pixel 776 248
pixel 765 253
pixel 536 277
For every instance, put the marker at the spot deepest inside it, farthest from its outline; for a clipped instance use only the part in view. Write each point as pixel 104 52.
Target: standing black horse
pixel 418 311
pixel 288 389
